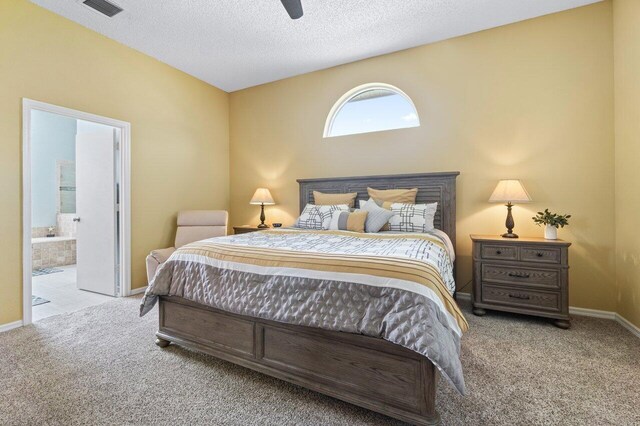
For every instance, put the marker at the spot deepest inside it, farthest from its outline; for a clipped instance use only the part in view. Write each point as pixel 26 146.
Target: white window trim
pixel 344 99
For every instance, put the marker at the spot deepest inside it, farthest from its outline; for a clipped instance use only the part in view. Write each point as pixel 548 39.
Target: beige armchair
pixel 193 225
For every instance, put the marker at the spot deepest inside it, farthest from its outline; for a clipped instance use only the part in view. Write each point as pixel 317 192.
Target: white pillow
pixel 318 217
pixel 333 222
pixel 412 217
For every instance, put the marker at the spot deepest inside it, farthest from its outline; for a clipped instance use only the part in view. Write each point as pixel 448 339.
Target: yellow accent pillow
pixel 407 196
pixel 323 199
pixel 348 221
pixel 356 221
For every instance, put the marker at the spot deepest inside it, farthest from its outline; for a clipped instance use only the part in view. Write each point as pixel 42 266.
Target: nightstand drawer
pixel 521 276
pixel 538 300
pixel 494 251
pixel 542 255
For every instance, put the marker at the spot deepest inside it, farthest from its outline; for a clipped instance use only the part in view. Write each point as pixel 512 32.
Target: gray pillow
pixel 377 217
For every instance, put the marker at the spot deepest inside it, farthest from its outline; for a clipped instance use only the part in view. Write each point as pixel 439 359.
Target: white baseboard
pixel 593 313
pixel 463 296
pixel 628 325
pixel 135 291
pixel 10 326
pixel 584 312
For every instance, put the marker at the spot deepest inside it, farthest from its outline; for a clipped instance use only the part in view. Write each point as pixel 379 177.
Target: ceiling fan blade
pixel 294 8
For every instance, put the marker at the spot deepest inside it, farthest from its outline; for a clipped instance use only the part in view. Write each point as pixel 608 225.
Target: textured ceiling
pixel 234 44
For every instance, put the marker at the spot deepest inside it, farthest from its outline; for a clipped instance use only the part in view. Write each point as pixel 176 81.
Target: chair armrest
pixel 157 258
pixel 161 255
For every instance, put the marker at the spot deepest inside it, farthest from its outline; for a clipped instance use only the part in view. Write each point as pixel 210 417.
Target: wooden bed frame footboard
pixel 365 371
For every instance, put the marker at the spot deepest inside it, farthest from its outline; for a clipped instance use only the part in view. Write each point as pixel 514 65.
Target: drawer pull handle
pixel 519 275
pixel 519 296
pixel 539 254
pixel 498 251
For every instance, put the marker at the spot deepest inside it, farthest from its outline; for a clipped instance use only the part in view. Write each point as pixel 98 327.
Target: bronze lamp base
pixel 262 217
pixel 509 223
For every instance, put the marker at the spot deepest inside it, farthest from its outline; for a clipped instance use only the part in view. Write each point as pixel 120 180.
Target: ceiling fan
pixel 293 7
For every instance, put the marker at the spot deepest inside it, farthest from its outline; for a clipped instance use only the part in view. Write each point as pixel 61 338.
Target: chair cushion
pixel 190 234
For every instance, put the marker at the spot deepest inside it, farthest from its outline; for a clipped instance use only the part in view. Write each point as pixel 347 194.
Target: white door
pixel 96 210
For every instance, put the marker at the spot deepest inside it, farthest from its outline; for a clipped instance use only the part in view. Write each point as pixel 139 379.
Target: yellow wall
pixel 626 35
pixel 532 100
pixel 180 142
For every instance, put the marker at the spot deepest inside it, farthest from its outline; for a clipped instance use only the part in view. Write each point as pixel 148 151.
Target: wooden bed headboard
pixel 432 187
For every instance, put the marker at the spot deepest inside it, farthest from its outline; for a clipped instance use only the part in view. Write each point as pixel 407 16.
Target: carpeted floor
pixel 100 366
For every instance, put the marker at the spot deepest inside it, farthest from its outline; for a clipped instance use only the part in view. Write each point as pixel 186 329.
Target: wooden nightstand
pixel 247 228
pixel 523 275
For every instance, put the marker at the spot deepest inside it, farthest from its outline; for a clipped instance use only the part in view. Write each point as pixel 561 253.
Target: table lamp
pixel 262 197
pixel 510 191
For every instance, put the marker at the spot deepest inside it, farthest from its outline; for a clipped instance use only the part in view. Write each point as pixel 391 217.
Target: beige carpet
pixel 100 366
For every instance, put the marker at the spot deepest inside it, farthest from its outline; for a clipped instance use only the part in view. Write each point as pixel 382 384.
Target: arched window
pixel 372 107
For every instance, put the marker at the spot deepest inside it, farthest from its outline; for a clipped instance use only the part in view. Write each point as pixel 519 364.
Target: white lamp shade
pixel 262 196
pixel 510 191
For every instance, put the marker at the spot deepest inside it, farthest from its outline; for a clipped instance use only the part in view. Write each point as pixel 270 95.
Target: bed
pixel 323 309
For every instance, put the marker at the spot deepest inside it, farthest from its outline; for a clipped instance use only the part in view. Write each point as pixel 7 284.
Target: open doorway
pixel 76 210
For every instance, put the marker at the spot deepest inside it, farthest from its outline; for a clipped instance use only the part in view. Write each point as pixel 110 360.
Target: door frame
pixel 124 158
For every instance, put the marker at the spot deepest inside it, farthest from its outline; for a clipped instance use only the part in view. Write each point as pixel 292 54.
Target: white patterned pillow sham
pixel 318 217
pixel 412 217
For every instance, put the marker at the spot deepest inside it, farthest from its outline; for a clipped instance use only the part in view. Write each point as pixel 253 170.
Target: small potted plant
pixel 551 221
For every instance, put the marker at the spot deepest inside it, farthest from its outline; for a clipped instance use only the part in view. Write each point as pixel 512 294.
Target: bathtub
pixel 47 252
pixel 43 240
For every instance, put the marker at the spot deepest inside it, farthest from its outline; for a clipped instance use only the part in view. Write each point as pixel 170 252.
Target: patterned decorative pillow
pixel 318 217
pixel 412 217
pixel 378 217
pixel 348 221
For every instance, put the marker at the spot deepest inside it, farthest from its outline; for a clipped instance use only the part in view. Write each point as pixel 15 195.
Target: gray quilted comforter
pixel 390 286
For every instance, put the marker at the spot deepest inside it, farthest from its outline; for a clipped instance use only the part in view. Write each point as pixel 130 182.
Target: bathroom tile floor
pixel 60 288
